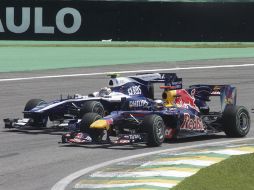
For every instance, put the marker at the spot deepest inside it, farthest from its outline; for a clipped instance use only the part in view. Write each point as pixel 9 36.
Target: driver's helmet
pixel 159 104
pixel 104 91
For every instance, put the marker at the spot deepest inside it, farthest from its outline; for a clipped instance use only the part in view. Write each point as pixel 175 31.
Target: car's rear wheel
pixel 85 123
pixel 155 128
pixel 236 121
pixel 39 120
pixel 92 106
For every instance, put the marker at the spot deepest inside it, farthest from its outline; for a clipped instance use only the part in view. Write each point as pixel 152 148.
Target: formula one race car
pixel 61 112
pixel 180 113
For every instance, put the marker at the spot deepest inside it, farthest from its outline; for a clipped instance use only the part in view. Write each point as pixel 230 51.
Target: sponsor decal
pixel 133 137
pixel 81 138
pixel 134 90
pixel 169 132
pixel 138 103
pixel 216 90
pixel 185 100
pixel 39 28
pixel 215 93
pixel 189 123
pixel 109 121
pixel 229 100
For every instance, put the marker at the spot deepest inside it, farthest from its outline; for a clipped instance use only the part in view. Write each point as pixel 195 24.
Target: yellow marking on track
pixel 247 149
pixel 194 170
pixel 194 157
pixel 126 181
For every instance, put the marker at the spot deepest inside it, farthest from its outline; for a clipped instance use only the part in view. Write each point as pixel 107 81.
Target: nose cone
pixel 100 124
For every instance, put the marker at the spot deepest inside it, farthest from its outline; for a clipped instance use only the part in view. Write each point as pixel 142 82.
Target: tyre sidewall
pixel 232 118
pixel 242 112
pixel 40 120
pixel 92 107
pixel 85 123
pixel 151 124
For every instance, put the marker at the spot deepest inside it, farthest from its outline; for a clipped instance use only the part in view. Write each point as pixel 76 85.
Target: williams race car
pixel 61 112
pixel 180 113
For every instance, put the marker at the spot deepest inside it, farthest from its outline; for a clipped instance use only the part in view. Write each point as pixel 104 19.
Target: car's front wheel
pixel 92 106
pixel 155 128
pixel 85 123
pixel 39 120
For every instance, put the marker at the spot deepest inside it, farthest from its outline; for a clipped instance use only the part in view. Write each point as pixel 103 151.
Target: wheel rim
pixel 244 121
pixel 160 129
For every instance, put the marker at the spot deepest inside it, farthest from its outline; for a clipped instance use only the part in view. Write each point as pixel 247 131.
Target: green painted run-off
pixel 34 55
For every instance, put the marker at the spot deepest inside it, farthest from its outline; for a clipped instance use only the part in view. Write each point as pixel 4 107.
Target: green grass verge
pixel 235 173
pixel 113 44
pixel 41 55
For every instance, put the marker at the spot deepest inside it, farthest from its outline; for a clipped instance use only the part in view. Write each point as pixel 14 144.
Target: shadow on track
pixel 135 146
pixel 60 131
pixel 36 131
pixel 195 139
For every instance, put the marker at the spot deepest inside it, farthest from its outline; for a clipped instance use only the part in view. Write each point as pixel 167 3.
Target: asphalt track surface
pixel 33 160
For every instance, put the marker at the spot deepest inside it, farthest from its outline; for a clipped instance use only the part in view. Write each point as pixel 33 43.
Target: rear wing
pixel 167 79
pixel 227 93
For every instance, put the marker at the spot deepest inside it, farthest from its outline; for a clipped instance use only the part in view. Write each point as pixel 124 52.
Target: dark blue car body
pixel 179 113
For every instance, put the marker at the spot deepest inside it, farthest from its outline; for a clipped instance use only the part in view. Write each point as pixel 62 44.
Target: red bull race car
pixel 180 113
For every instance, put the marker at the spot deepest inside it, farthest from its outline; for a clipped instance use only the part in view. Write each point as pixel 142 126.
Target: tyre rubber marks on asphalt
pixel 160 172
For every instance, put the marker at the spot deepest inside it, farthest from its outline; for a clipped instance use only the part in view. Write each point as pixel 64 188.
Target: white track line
pixel 138 174
pixel 96 186
pixel 63 183
pixel 119 186
pixel 130 71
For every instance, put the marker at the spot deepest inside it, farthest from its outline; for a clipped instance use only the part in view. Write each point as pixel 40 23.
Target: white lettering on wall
pixel 60 20
pixel 10 21
pixel 1 26
pixel 39 23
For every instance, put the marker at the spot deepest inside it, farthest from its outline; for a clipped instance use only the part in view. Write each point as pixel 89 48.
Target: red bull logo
pixel 229 100
pixel 229 95
pixel 185 100
pixel 189 123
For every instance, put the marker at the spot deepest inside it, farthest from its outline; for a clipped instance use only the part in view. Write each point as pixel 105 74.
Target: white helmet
pixel 104 91
pixel 159 104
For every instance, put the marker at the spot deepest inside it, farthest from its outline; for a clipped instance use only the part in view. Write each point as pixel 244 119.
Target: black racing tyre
pixel 85 123
pixel 40 120
pixel 236 121
pixel 92 106
pixel 33 103
pixel 155 127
